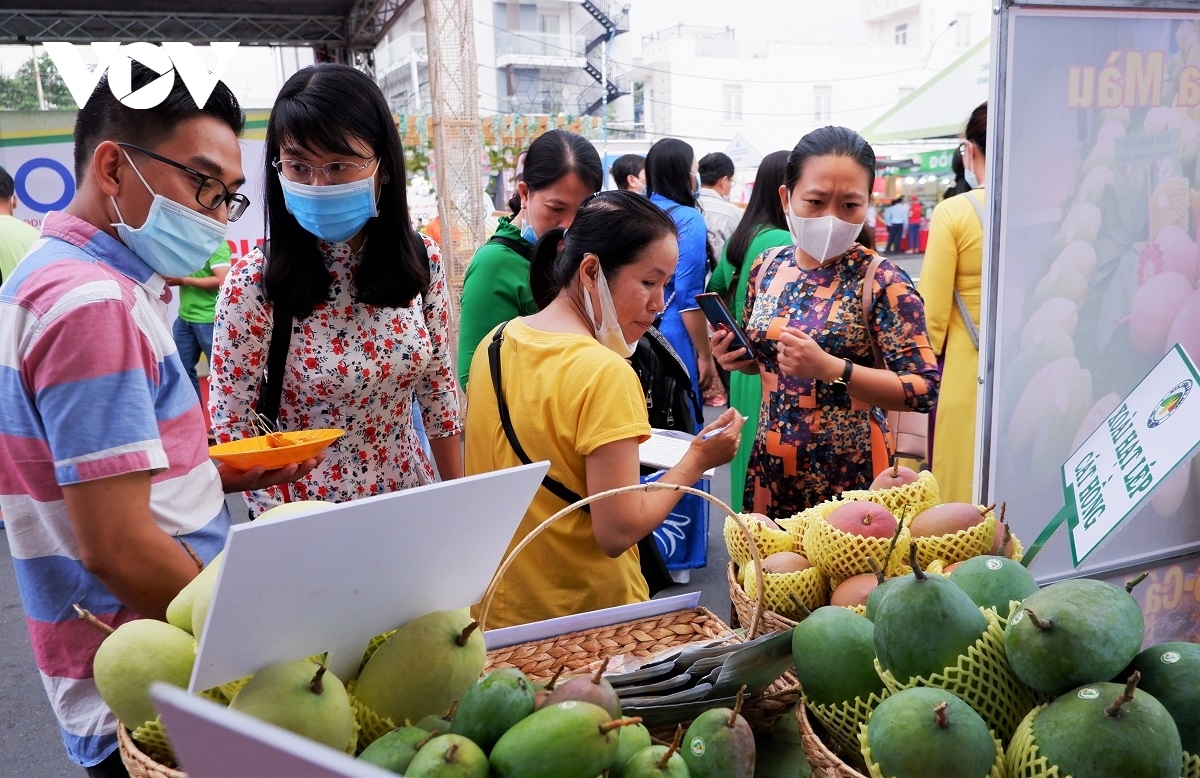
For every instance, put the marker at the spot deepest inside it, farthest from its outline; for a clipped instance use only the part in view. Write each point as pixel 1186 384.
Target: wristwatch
pixel 845 377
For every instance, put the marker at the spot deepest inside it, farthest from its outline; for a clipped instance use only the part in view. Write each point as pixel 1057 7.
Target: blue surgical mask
pixel 174 240
pixel 333 213
pixel 696 185
pixel 528 233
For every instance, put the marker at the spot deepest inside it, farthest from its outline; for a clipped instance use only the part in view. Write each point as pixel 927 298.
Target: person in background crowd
pixel 581 407
pixel 16 236
pixel 104 467
pixel 561 169
pixel 673 181
pixel 915 212
pixel 193 329
pixel 360 298
pixel 895 216
pixel 960 184
pixel 762 228
pixel 820 426
pixel 721 217
pixel 629 172
pixel 952 286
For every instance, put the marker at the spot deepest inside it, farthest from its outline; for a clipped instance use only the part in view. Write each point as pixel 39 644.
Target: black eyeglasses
pixel 211 191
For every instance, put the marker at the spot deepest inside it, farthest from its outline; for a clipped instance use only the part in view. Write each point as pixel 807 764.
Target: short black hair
pixel 714 167
pixel 626 166
pixel 104 117
pixel 7 186
pixel 320 108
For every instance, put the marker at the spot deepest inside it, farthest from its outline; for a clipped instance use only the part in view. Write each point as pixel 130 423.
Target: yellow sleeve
pixel 613 406
pixel 938 273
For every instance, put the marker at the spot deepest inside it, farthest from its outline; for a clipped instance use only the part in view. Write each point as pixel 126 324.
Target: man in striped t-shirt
pixel 104 468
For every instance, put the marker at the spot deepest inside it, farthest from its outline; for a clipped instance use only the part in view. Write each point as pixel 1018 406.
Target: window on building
pixel 732 101
pixel 548 40
pixel 962 30
pixel 900 34
pixel 822 103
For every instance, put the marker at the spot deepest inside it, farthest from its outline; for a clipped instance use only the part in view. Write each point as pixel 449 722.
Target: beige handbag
pixel 908 431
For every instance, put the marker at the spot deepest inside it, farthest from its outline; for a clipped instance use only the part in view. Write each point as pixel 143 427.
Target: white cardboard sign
pixel 213 741
pixel 331 580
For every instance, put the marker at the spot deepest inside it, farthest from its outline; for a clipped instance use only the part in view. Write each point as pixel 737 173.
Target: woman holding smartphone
pixel 823 397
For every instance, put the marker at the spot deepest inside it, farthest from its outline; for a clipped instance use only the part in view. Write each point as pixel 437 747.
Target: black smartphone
pixel 718 315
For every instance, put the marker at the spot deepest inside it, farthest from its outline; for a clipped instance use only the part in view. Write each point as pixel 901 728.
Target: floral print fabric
pixel 814 441
pixel 350 365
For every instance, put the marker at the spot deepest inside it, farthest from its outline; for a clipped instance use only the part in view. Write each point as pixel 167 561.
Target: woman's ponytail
pixel 544 278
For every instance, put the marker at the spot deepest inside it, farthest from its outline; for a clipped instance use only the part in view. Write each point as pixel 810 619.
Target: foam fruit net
pixel 809 586
pixel 1191 765
pixel 961 545
pixel 369 725
pixel 982 679
pixel 903 501
pixel 997 771
pixel 769 541
pixel 795 527
pixel 843 721
pixel 152 739
pixel 842 555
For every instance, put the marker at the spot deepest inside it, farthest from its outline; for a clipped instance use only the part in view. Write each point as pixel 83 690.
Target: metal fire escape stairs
pixel 610 21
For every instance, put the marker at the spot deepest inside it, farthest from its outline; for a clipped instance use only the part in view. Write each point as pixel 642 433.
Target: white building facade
pixel 546 57
pixel 847 65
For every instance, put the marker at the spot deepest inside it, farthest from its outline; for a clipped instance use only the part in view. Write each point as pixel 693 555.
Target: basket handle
pixel 486 603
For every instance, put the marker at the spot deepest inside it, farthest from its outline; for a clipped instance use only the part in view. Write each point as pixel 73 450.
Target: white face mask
pixel 608 331
pixel 824 238
pixel 969 174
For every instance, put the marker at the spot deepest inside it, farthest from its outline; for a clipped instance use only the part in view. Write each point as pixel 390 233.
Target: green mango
pixel 834 653
pixel 432 723
pixel 179 612
pixel 994 581
pixel 492 705
pixel 133 657
pixel 877 595
pixel 924 625
pixel 566 740
pixel 395 750
pixel 911 735
pixel 424 667
pixel 301 697
pixel 657 762
pixel 719 744
pixel 1171 674
pixel 1081 735
pixel 630 740
pixel 449 756
pixel 1073 632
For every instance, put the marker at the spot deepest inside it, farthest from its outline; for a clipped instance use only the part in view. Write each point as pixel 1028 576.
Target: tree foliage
pixel 19 92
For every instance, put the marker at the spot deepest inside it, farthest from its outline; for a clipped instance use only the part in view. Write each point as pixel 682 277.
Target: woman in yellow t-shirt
pixel 574 400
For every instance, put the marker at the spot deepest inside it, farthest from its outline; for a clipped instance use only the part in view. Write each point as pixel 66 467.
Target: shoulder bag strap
pixel 555 487
pixel 868 301
pixel 972 330
pixel 519 246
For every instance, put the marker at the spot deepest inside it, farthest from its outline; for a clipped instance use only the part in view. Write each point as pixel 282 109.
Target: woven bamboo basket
pixel 824 762
pixel 744 607
pixel 137 763
pixel 642 637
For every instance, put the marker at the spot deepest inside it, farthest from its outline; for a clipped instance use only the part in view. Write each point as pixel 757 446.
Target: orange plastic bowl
pixel 265 451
